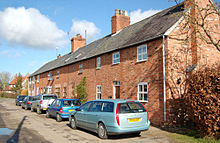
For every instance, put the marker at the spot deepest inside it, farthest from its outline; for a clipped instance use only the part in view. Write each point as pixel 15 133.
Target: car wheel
pixel 102 132
pixel 47 114
pixel 59 119
pixel 32 109
pixel 73 123
pixel 26 107
pixel 38 110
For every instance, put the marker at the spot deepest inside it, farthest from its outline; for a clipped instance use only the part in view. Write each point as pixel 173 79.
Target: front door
pixel 116 89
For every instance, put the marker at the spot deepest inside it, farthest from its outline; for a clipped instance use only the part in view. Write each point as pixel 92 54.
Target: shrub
pixel 81 90
pixel 204 100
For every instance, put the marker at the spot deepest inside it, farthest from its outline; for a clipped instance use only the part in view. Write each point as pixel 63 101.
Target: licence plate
pixel 134 120
pixel 70 110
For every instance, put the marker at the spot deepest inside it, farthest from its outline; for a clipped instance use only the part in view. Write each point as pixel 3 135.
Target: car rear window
pixel 21 97
pixel 49 97
pixel 67 103
pixel 131 107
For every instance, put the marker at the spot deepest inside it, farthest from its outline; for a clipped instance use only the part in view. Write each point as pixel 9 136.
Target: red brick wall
pixel 129 72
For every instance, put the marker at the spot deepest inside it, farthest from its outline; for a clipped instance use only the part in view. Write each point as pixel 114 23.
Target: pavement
pixel 25 126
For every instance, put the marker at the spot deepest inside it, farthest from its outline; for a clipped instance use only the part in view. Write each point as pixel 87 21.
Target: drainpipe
pixel 164 78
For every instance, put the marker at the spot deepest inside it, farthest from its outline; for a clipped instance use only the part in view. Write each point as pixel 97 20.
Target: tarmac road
pixel 29 127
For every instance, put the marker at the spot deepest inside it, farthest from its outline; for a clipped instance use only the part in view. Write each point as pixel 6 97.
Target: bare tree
pixel 203 20
pixel 5 77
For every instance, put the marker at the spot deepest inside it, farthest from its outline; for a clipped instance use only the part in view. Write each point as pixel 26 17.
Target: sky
pixel 34 32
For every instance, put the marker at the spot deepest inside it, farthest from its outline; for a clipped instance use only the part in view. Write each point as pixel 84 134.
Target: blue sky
pixel 32 30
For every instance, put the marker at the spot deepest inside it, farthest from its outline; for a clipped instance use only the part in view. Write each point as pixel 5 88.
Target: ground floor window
pixel 143 91
pixel 49 89
pixel 38 90
pixel 64 92
pixel 98 92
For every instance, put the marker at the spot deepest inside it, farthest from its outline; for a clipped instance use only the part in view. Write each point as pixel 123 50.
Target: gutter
pixel 164 78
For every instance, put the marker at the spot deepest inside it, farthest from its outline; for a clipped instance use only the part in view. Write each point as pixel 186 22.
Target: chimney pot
pixel 59 56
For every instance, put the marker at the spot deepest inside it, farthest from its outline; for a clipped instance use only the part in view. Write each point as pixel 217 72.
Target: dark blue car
pixel 19 99
pixel 60 108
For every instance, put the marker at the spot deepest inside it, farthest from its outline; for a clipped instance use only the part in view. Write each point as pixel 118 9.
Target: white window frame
pixel 98 92
pixel 114 59
pixel 38 78
pixel 142 53
pixel 142 92
pixel 98 63
pixel 80 68
pixel 50 76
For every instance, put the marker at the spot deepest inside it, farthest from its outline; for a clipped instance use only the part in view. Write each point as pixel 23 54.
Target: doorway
pixel 116 89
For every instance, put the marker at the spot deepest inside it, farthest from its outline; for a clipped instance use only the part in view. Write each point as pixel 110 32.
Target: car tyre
pixel 137 133
pixel 47 114
pixel 59 119
pixel 38 110
pixel 73 123
pixel 32 109
pixel 26 107
pixel 102 132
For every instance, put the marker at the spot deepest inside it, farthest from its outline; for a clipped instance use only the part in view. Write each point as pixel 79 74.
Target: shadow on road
pixel 15 137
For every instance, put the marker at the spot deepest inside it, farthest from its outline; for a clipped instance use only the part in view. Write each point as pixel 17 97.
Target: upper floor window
pixel 38 78
pixel 58 74
pixel 116 58
pixel 50 76
pixel 33 78
pixel 142 53
pixel 30 79
pixel 143 91
pixel 80 68
pixel 98 63
pixel 98 92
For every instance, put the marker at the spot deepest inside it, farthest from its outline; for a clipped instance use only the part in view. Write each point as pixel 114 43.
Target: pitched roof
pixel 145 30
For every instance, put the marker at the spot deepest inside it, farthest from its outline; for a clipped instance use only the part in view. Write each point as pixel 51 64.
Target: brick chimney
pixel 120 20
pixel 77 42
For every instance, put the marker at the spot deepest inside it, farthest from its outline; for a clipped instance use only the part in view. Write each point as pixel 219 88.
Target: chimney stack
pixel 77 42
pixel 120 20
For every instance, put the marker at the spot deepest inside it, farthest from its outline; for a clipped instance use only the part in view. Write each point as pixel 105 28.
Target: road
pixel 30 127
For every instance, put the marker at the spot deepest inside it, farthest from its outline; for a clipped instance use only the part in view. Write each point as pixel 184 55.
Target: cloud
pixel 11 53
pixel 79 27
pixel 29 28
pixel 32 63
pixel 138 15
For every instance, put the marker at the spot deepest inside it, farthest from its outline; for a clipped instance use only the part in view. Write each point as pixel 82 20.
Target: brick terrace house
pixel 138 61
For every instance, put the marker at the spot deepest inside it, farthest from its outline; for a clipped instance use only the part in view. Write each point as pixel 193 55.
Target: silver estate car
pixel 111 117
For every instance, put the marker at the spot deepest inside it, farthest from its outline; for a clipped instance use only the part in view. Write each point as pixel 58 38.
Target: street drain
pixel 5 131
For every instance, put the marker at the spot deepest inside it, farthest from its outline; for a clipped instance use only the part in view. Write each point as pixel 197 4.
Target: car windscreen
pixel 49 97
pixel 67 103
pixel 131 107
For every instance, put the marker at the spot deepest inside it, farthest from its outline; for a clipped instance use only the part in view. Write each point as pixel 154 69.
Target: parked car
pixel 110 117
pixel 19 99
pixel 26 103
pixel 60 108
pixel 41 102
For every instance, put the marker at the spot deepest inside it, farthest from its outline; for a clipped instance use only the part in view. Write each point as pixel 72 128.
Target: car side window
pixel 85 107
pixel 95 107
pixel 53 103
pixel 107 107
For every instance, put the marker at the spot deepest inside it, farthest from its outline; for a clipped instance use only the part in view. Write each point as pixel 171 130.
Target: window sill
pixel 98 68
pixel 141 61
pixel 142 101
pixel 80 72
pixel 115 64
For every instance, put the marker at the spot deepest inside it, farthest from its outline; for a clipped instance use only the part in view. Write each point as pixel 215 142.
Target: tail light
pixel 117 115
pixel 41 102
pixel 61 110
pixel 146 111
pixel 29 103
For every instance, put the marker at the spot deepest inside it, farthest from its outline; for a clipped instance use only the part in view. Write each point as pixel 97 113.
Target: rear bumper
pixel 65 115
pixel 119 130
